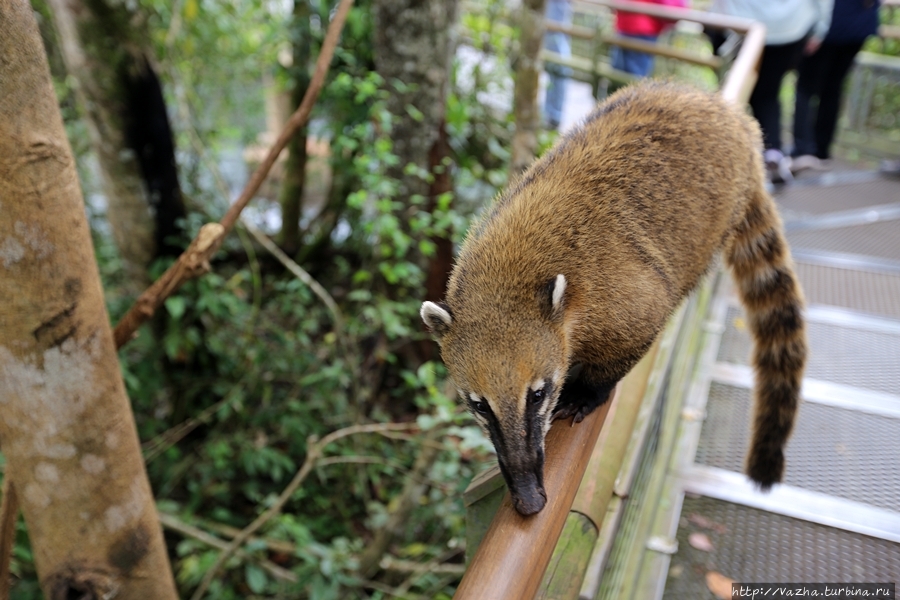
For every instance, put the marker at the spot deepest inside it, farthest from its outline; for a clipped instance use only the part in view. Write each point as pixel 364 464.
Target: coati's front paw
pixel 581 403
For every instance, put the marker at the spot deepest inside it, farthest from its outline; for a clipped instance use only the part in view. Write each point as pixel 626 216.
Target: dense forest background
pixel 246 366
pixel 245 369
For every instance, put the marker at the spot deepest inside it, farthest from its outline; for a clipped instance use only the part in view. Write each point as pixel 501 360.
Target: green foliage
pixel 243 365
pixel 252 349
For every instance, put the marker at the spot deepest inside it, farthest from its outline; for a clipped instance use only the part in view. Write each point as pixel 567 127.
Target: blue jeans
pixel 559 11
pixel 632 61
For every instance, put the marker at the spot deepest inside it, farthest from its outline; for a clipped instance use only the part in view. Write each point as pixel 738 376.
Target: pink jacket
pixel 635 24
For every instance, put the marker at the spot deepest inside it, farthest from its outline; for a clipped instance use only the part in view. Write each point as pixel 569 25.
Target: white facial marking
pixel 523 399
pixel 558 289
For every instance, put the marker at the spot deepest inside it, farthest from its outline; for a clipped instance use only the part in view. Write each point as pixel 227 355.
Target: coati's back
pixel 583 259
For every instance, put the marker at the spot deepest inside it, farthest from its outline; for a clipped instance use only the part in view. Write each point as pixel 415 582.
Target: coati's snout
pixel 525 480
pixel 530 505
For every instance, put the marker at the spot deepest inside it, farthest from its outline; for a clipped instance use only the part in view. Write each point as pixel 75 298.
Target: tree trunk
pixel 525 94
pixel 66 427
pixel 413 45
pixel 106 50
pixel 442 261
pixel 291 195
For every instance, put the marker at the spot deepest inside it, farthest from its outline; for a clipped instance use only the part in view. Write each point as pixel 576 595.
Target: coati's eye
pixel 480 406
pixel 536 396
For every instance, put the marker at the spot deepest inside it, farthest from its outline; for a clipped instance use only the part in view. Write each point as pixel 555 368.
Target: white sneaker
pixel 890 168
pixel 778 166
pixel 805 162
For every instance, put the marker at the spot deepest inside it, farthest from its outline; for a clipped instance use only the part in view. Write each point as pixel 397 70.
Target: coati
pixel 565 282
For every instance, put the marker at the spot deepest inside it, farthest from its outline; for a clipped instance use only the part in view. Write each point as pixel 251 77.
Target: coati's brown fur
pixel 578 266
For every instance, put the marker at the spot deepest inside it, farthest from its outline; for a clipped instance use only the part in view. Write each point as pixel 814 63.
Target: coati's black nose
pixel 530 502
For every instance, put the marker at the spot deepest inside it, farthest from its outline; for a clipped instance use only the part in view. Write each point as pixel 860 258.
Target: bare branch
pixel 389 563
pixel 413 488
pixel 170 437
pixel 175 524
pixel 300 273
pixel 195 260
pixel 314 450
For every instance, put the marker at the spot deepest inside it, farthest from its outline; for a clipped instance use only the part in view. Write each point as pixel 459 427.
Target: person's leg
pixel 635 62
pixel 558 11
pixel 810 75
pixel 554 99
pixel 764 102
pixel 716 38
pixel 831 91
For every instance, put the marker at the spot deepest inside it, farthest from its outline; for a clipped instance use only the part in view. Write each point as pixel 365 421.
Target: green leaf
pixel 176 306
pixel 256 578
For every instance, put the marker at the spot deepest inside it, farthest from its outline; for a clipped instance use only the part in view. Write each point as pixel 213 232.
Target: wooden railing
pixel 740 78
pixel 514 553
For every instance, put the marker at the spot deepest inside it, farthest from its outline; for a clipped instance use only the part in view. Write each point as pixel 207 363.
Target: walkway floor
pixel 836 518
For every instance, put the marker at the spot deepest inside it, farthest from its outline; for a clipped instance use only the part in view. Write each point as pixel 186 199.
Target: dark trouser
pixel 776 61
pixel 821 76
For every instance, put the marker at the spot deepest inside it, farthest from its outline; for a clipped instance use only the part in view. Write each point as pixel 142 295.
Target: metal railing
pixel 512 558
pixel 871 117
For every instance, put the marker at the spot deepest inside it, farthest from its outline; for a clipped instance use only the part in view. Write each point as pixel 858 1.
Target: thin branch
pixel 359 460
pixel 386 589
pixel 9 512
pixel 175 524
pixel 170 437
pixel 435 565
pixel 389 563
pixel 413 489
pixel 195 260
pixel 441 584
pixel 300 273
pixel 313 454
pixel 280 546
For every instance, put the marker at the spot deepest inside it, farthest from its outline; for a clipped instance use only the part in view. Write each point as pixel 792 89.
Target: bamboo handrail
pixel 712 61
pixel 513 555
pixel 586 33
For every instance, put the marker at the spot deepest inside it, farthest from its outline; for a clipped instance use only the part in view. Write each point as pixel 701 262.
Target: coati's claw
pixel 580 414
pixel 565 412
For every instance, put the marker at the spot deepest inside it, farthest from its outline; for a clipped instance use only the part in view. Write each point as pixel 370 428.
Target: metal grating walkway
pixel 836 518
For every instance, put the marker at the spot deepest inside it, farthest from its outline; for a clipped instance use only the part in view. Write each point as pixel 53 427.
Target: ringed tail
pixel 760 260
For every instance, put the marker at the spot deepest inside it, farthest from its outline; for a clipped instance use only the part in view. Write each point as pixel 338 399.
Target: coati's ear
pixel 552 297
pixel 437 318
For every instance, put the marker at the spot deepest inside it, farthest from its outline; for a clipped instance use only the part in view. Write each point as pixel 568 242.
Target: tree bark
pixel 105 48
pixel 291 194
pixel 9 515
pixel 65 423
pixel 442 261
pixel 413 45
pixel 525 92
